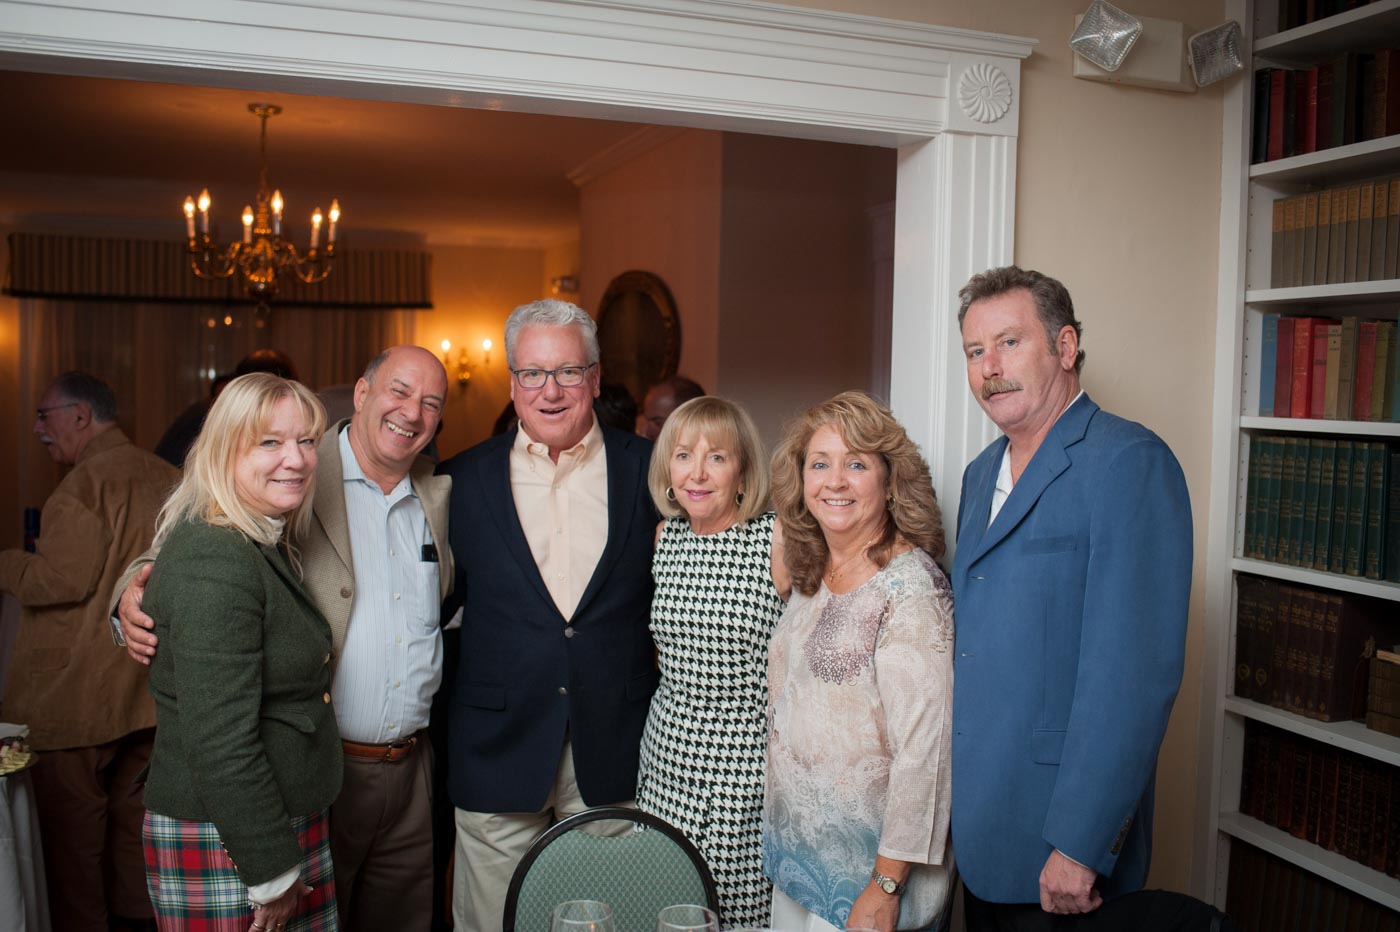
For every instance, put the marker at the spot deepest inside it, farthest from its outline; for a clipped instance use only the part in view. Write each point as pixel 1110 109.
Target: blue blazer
pixel 1071 626
pixel 527 676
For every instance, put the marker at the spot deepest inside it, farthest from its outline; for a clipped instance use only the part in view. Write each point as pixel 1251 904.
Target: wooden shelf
pixel 1375 25
pixel 1310 425
pixel 1343 162
pixel 1342 871
pixel 1353 294
pixel 1348 736
pixel 1296 574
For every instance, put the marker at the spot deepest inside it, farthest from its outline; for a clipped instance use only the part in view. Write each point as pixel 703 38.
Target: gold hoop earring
pixel 670 494
pixel 738 498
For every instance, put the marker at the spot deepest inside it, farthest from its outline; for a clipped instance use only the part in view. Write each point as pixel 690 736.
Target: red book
pixel 1278 89
pixel 1301 392
pixel 1307 112
pixel 1317 399
pixel 1365 370
pixel 1283 369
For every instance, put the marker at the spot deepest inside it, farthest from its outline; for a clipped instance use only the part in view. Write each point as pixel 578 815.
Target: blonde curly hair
pixel 867 427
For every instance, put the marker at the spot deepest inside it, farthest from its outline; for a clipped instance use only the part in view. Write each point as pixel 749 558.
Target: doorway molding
pixel 947 99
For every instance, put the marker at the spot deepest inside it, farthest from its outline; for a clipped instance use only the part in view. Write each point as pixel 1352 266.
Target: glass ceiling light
pixel 262 254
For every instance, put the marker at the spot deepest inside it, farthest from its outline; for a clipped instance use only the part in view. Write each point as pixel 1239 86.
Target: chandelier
pixel 262 254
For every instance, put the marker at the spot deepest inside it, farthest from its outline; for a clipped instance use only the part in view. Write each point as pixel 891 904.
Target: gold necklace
pixel 835 571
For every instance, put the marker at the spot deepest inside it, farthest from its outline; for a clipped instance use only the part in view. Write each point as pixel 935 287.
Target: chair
pixel 650 866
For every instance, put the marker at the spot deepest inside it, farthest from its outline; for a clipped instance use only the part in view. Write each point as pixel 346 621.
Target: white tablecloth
pixel 24 902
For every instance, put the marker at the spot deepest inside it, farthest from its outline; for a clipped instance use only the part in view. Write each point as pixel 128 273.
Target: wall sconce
pixel 463 367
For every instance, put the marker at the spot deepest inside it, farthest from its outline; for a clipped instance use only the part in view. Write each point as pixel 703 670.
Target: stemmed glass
pixel 687 919
pixel 583 916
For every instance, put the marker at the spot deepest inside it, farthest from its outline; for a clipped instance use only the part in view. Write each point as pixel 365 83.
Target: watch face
pixel 888 885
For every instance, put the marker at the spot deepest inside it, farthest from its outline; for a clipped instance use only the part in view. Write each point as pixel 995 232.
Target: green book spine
pixel 1289 461
pixel 1273 466
pixel 1336 554
pixel 1392 523
pixel 1325 451
pixel 1311 488
pixel 1356 508
pixel 1297 514
pixel 1252 523
pixel 1246 628
pixel 1377 479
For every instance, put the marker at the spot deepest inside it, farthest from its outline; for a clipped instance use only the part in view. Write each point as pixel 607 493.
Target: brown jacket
pixel 65 681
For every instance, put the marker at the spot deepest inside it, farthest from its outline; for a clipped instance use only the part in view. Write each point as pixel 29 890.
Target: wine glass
pixel 687 918
pixel 583 916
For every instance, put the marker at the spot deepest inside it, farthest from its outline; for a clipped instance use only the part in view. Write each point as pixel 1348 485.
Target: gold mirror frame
pixel 639 332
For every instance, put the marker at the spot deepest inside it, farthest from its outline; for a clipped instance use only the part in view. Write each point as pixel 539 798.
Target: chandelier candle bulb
pixel 335 218
pixel 204 211
pixel 315 228
pixel 247 223
pixel 277 213
pixel 189 218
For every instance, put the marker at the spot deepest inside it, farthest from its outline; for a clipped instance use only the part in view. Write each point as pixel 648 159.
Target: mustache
pixel 997 386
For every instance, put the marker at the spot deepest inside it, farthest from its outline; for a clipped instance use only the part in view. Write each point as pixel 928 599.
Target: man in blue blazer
pixel 1072 574
pixel 551 527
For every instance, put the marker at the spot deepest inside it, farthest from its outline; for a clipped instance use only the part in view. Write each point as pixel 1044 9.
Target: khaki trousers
pixel 490 844
pixel 90 813
pixel 382 843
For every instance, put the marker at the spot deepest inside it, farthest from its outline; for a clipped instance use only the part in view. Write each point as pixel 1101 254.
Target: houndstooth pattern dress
pixel 705 740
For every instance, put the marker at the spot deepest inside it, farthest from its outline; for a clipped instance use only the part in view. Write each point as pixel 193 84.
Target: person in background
pixel 552 533
pixel 720 586
pixel 615 406
pixel 860 680
pixel 663 398
pixel 90 717
pixel 174 444
pixel 247 757
pixel 378 567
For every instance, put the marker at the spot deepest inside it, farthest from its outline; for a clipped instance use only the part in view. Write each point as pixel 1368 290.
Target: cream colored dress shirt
pixel 563 509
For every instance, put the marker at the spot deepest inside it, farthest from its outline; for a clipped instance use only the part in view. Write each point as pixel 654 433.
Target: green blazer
pixel 245 735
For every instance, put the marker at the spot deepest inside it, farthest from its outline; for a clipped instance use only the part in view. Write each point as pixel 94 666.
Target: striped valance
pixel 84 268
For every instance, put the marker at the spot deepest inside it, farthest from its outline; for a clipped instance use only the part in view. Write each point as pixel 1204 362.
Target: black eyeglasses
pixel 564 376
pixel 42 414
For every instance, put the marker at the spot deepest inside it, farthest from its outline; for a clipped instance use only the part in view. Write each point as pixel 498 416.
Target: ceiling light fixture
pixel 262 254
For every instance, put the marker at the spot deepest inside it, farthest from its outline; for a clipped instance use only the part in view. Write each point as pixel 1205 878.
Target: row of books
pixel 1335 799
pixel 1327 504
pixel 1350 98
pixel 1345 234
pixel 1336 370
pixel 1265 893
pixel 1383 693
pixel 1292 13
pixel 1306 650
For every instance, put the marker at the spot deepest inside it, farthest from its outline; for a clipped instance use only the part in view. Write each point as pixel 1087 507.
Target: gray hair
pixel 549 312
pixel 89 390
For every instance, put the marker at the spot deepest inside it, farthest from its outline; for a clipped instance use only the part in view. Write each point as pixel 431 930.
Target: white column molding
pixel 954 217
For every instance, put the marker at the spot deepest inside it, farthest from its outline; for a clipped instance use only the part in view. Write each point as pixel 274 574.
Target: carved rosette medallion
pixel 984 93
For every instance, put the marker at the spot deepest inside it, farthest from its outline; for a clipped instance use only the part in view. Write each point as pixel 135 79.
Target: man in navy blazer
pixel 551 529
pixel 1072 574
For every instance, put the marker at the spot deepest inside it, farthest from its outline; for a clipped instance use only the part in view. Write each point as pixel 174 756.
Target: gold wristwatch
pixel 888 884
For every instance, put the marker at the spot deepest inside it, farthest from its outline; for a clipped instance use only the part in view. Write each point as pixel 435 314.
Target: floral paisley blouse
pixel 860 690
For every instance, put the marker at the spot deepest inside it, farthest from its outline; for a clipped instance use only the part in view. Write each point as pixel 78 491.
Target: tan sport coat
pixel 328 567
pixel 65 681
pixel 326 559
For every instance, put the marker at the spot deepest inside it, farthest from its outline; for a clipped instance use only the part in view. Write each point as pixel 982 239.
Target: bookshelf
pixel 1247 295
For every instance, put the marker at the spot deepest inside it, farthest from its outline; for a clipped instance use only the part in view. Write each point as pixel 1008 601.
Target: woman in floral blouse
pixel 860 680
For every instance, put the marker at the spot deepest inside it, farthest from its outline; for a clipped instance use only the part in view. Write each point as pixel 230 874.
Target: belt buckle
pixel 406 746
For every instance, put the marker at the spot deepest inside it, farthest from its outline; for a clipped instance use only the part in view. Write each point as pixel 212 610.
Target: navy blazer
pixel 1071 624
pixel 527 676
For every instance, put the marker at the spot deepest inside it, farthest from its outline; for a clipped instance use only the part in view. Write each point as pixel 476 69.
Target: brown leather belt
pixel 385 753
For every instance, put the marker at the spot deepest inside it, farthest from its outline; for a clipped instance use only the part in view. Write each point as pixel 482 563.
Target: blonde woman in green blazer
pixel 247 756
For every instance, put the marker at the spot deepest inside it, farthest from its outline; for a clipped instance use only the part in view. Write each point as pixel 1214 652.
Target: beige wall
pixel 660 213
pixel 1117 194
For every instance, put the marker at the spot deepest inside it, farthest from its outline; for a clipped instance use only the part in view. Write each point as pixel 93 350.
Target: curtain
pixel 160 358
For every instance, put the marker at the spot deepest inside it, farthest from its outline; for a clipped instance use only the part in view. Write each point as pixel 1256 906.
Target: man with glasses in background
pixel 551 528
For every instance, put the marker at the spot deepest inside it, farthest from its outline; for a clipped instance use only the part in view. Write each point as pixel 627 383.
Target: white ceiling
pixel 93 153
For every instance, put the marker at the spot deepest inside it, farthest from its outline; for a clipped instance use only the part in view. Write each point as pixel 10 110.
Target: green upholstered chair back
pixel 649 866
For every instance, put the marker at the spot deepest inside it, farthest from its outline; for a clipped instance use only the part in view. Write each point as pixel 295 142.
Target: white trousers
pixel 788 916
